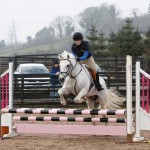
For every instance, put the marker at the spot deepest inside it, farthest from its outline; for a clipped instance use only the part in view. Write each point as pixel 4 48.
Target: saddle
pixel 95 79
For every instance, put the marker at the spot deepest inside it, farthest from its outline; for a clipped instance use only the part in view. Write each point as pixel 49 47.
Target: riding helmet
pixel 77 36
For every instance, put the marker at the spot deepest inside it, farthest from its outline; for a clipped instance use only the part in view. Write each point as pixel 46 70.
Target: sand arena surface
pixel 70 142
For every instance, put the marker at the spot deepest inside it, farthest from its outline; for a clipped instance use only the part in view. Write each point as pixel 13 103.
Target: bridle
pixel 70 69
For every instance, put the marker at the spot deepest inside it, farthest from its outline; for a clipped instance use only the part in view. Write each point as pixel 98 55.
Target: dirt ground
pixel 71 142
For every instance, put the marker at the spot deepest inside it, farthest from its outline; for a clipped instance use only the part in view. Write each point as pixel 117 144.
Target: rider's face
pixel 78 42
pixel 56 65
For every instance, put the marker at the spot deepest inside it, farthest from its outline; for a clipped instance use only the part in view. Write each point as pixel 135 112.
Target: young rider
pixel 81 50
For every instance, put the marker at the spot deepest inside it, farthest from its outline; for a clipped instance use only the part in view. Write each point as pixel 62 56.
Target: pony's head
pixel 65 55
pixel 66 64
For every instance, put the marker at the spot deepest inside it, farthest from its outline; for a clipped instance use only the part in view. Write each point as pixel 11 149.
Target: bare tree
pixel 87 17
pixel 63 25
pixel 58 24
pixel 69 26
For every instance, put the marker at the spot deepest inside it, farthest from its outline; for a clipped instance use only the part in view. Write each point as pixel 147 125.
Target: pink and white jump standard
pixel 142 113
pixel 142 110
pixel 7 99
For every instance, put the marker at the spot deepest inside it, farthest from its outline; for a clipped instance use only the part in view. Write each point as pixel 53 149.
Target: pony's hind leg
pixel 90 103
pixel 102 99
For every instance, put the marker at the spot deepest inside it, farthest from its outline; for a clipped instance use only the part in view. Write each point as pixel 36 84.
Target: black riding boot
pixel 97 84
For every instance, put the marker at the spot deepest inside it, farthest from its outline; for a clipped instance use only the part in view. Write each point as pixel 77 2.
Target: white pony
pixel 78 81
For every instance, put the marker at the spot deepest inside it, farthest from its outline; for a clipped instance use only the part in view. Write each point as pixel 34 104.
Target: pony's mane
pixel 65 55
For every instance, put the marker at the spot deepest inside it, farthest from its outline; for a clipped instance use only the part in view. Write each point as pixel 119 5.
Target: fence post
pixel 45 59
pixel 108 81
pixel 148 64
pixel 142 62
pixel 15 63
pixel 116 61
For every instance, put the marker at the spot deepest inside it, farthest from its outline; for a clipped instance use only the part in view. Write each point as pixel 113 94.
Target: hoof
pixel 83 99
pixel 63 103
pixel 78 101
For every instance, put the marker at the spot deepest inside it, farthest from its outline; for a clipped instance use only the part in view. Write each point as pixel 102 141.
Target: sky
pixel 32 15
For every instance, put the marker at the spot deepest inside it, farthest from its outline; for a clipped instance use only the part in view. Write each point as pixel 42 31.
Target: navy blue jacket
pixel 53 77
pixel 82 51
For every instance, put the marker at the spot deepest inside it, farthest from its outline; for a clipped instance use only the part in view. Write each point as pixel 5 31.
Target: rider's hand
pixel 78 59
pixel 57 73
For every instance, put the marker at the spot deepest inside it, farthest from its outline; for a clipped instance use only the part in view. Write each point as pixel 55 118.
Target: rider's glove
pixel 78 59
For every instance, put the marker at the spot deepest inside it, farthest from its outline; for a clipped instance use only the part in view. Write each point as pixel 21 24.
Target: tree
pixel 92 37
pixel 101 43
pixel 104 18
pixel 112 43
pixel 128 41
pixel 138 47
pixel 147 42
pixel 58 24
pixel 64 26
pixel 42 36
pixel 68 26
pixel 88 17
pixel 51 32
pixel 29 40
pixel 149 9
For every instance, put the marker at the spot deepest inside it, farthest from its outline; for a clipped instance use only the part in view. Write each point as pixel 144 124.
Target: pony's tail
pixel 115 101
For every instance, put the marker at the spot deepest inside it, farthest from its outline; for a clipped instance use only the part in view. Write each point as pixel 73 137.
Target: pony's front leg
pixel 61 93
pixel 79 97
